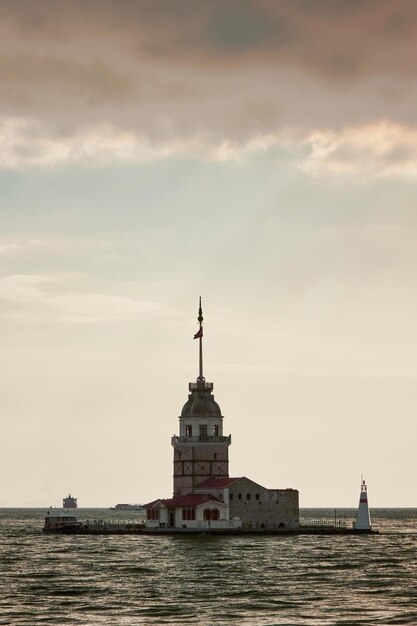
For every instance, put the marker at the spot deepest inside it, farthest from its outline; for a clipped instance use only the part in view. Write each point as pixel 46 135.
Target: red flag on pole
pixel 199 334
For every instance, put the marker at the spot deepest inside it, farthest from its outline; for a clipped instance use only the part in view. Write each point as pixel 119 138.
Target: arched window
pixel 152 513
pixel 188 514
pixel 211 514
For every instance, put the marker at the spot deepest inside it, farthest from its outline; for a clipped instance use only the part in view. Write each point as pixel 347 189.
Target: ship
pixel 69 502
pixel 127 507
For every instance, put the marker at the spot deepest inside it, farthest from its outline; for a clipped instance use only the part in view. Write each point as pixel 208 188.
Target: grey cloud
pixel 92 78
pixel 241 26
pixel 205 72
pixel 330 38
pixel 399 154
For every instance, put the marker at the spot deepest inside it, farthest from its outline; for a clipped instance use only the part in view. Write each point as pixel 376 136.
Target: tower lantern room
pixel 200 449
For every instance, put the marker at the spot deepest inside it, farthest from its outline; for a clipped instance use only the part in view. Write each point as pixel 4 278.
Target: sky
pixel 260 154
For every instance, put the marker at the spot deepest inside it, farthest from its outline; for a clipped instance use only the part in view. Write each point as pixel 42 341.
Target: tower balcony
pixel 201 439
pixel 200 385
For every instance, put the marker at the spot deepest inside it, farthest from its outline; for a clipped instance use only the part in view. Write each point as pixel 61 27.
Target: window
pixel 152 513
pixel 188 430
pixel 231 496
pixel 216 430
pixel 239 496
pixel 257 496
pixel 211 514
pixel 203 430
pixel 188 514
pixel 248 496
pixel 215 456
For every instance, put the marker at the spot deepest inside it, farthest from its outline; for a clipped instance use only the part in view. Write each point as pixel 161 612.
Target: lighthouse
pixel 200 449
pixel 363 518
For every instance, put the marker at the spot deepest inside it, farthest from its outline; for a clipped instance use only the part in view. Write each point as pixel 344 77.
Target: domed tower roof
pixel 201 402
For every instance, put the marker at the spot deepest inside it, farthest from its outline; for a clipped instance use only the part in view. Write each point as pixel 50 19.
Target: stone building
pixel 204 494
pixel 255 506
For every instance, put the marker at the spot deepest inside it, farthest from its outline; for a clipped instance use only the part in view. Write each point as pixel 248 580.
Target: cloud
pixel 338 39
pixel 23 288
pixel 25 143
pixel 375 150
pixel 7 249
pixel 31 245
pixel 104 80
pixel 99 308
pixel 378 149
pixel 28 298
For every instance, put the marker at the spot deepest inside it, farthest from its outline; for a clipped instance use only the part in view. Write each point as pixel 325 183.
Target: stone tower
pixel 200 451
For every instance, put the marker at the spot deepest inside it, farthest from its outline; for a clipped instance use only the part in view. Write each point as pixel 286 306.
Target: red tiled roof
pixel 189 500
pixel 217 483
pixel 151 504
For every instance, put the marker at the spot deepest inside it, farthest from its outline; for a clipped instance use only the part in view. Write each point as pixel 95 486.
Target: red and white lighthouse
pixel 363 518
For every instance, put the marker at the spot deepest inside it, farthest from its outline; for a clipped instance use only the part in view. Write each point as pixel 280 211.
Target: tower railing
pixel 201 384
pixel 201 439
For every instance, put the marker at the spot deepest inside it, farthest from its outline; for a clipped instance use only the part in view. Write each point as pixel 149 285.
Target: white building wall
pixel 163 516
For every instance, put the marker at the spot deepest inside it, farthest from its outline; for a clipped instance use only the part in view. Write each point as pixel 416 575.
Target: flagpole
pixel 200 319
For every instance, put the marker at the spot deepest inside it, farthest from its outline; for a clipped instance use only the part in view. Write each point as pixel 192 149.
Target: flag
pixel 199 333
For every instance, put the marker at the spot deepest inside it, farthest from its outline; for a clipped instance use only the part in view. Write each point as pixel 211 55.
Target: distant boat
pixel 57 521
pixel 69 502
pixel 127 507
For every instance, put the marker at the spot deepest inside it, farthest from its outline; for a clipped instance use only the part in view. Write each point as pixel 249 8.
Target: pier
pixel 102 527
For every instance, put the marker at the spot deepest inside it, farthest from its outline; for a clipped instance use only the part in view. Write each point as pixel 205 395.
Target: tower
pixel 200 450
pixel 363 518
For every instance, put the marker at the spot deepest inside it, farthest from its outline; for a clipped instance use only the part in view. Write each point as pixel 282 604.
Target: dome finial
pixel 199 335
pixel 200 313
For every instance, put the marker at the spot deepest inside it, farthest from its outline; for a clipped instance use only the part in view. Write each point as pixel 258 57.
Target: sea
pixel 202 580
